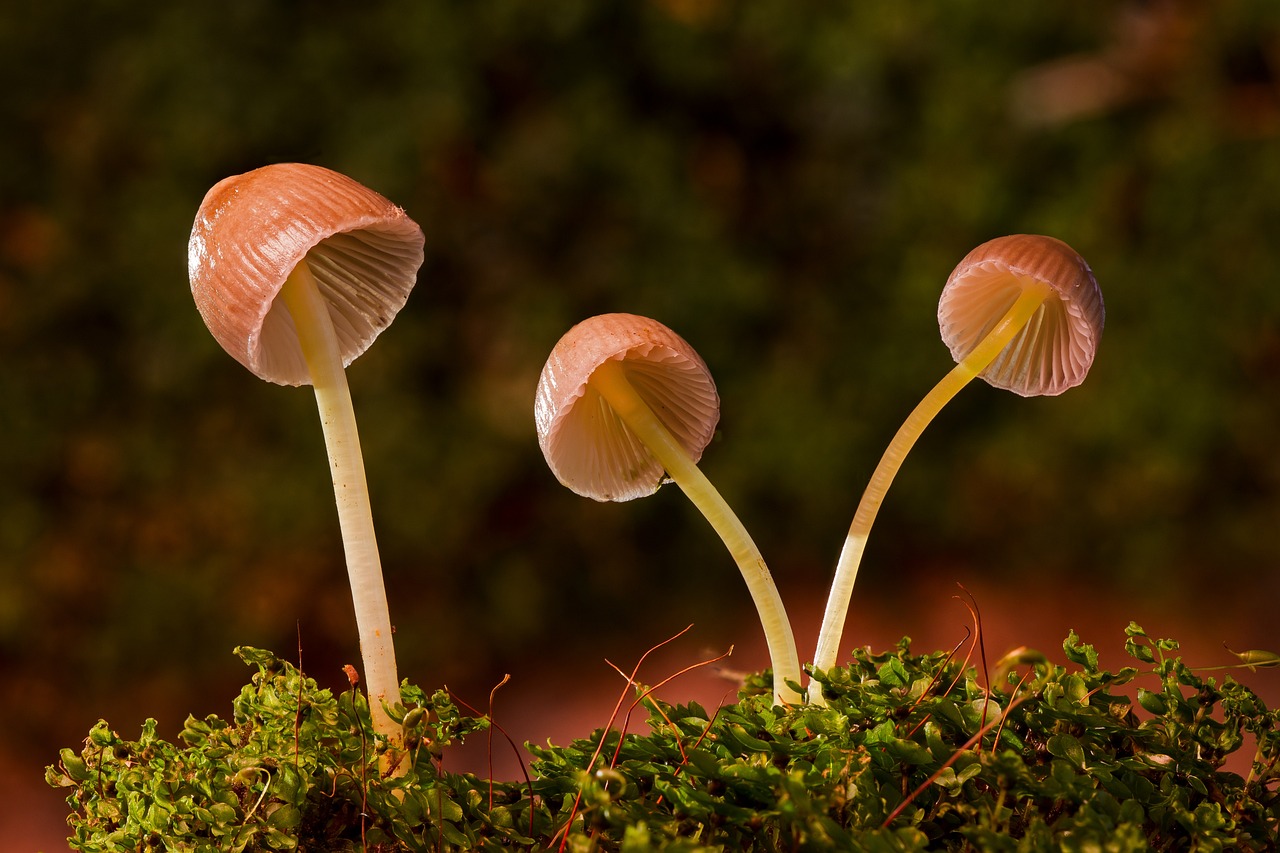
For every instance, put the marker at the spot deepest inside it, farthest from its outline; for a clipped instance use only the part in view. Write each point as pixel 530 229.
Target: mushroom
pixel 1023 312
pixel 341 259
pixel 622 403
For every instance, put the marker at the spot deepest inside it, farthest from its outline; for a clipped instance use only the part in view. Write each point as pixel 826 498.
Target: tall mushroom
pixel 296 269
pixel 622 403
pixel 1023 312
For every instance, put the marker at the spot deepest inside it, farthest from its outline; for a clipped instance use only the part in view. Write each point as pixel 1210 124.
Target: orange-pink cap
pixel 253 229
pixel 1054 351
pixel 586 444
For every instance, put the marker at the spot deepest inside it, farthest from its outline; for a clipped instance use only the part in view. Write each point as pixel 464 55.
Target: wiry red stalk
pixel 697 743
pixel 626 722
pixel 493 724
pixel 297 717
pixel 1005 716
pixel 577 801
pixel 937 676
pixel 972 604
pixel 977 737
pixel 489 735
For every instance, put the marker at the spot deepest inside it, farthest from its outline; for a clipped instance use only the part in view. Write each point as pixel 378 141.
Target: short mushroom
pixel 1023 312
pixel 622 403
pixel 341 259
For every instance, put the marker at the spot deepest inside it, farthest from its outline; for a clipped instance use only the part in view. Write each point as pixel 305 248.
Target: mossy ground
pixel 912 753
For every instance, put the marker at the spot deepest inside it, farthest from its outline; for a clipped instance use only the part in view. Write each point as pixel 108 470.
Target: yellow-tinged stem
pixel 373 621
pixel 610 381
pixel 1024 308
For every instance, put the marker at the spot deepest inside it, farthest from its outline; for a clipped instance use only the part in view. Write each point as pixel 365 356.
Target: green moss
pixel 912 754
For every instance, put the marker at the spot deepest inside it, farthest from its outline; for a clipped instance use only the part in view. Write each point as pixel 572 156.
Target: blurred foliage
pixel 787 184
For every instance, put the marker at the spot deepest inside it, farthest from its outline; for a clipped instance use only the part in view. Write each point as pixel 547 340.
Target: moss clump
pixel 913 753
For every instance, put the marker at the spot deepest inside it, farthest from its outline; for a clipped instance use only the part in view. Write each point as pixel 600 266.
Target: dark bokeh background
pixel 786 184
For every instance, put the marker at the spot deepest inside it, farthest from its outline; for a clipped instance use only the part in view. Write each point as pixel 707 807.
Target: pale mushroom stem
pixel 320 348
pixel 1018 316
pixel 610 381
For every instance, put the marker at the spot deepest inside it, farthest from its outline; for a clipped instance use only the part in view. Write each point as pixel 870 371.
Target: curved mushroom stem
pixel 319 344
pixel 610 381
pixel 1023 310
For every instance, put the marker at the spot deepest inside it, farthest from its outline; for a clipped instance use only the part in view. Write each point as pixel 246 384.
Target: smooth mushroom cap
pixel 1054 351
pixel 584 441
pixel 253 229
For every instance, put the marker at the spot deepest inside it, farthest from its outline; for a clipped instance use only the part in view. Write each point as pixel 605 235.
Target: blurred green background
pixel 786 184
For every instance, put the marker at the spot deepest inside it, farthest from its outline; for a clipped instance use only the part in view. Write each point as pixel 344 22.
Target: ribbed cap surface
pixel 586 444
pixel 1054 351
pixel 253 229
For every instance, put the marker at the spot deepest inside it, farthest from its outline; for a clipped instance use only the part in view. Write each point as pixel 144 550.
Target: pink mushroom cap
pixel 252 230
pixel 585 443
pixel 1055 349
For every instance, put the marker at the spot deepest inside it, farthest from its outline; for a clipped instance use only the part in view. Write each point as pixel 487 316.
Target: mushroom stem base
pixel 1023 310
pixel 610 381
